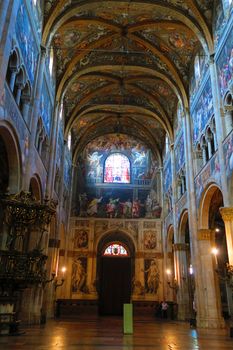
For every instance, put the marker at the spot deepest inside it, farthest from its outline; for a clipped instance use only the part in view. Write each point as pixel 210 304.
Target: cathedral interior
pixel 116 160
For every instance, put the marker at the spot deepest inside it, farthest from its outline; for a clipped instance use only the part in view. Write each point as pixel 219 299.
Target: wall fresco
pixel 167 175
pixel 37 12
pixel 46 108
pixel 228 153
pixel 79 275
pixel 108 190
pixel 210 173
pixel 202 111
pixel 179 153
pixel 225 64
pixel 199 71
pixel 67 167
pixel 26 40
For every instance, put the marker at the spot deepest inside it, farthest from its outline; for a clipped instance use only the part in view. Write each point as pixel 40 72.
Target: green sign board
pixel 128 318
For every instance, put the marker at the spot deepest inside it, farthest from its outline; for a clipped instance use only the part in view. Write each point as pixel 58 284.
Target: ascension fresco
pixel 110 165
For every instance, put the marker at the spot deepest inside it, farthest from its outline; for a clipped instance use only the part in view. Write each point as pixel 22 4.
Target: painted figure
pixel 152 280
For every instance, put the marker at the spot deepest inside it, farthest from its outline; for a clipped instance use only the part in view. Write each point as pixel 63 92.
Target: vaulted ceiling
pixel 122 66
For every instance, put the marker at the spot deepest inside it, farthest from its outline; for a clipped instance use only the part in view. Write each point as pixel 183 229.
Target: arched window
pixel 117 169
pixel 115 249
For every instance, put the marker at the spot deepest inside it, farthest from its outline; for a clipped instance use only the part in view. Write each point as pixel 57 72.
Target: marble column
pixel 180 253
pixel 34 117
pixel 209 310
pixel 227 215
pixel 228 116
pixel 199 296
pixel 219 128
pixel 52 151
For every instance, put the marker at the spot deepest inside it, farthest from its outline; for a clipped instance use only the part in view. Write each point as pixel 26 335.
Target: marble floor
pixel 106 333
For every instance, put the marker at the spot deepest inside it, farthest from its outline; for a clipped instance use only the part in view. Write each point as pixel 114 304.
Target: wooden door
pixel 115 285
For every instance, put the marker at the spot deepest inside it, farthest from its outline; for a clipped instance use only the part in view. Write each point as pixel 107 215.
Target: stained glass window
pixel 117 169
pixel 115 249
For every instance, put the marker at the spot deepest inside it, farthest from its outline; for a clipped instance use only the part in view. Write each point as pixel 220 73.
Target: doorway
pixel 115 285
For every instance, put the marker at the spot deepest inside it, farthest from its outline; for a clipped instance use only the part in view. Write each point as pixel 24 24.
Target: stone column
pixel 52 151
pixel 34 117
pixel 204 155
pixel 183 298
pixel 228 116
pixel 219 128
pixel 192 213
pixel 91 262
pixel 209 146
pixel 209 311
pixel 227 215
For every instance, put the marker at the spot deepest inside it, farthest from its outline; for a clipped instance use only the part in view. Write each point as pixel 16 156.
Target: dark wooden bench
pixel 9 325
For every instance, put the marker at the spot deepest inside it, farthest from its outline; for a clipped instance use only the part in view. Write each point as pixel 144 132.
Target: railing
pixel 22 268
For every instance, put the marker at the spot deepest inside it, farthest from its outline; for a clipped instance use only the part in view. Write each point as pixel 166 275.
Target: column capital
pixel 204 234
pixel 180 246
pixel 226 213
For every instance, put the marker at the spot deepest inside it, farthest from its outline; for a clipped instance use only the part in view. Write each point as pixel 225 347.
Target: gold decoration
pixel 204 234
pixel 180 246
pixel 227 213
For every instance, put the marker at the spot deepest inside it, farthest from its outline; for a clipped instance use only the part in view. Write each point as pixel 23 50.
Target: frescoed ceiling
pixel 122 66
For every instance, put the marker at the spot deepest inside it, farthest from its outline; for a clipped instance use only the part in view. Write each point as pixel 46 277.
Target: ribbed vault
pixel 122 66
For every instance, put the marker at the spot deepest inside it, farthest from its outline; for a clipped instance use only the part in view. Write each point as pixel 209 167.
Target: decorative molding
pixel 204 234
pixel 226 213
pixel 180 246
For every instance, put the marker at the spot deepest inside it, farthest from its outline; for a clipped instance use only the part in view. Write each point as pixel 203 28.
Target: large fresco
pixel 167 175
pixel 67 168
pixel 225 64
pixel 199 71
pixel 46 108
pixel 179 153
pixel 142 161
pixel 110 166
pixel 37 12
pixel 26 40
pixel 228 153
pixel 202 111
pixel 210 173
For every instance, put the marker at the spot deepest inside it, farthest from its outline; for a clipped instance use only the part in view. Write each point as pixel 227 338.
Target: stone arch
pixel 115 275
pixel 12 147
pixel 115 234
pixel 170 238
pixel 35 187
pixel 183 226
pixel 205 203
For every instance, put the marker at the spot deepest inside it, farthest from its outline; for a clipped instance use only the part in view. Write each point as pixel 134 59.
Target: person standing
pixel 164 307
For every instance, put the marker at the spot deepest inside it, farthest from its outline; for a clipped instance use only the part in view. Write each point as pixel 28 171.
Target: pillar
pixel 192 214
pixel 52 151
pixel 227 215
pixel 228 116
pixel 219 127
pixel 209 310
pixel 183 298
pixel 34 117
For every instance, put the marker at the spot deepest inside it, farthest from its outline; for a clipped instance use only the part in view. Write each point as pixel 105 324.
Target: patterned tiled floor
pixel 106 333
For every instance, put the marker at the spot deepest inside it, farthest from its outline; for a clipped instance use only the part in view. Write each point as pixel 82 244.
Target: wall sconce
pixel 171 285
pixel 59 284
pixel 214 251
pixel 49 280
